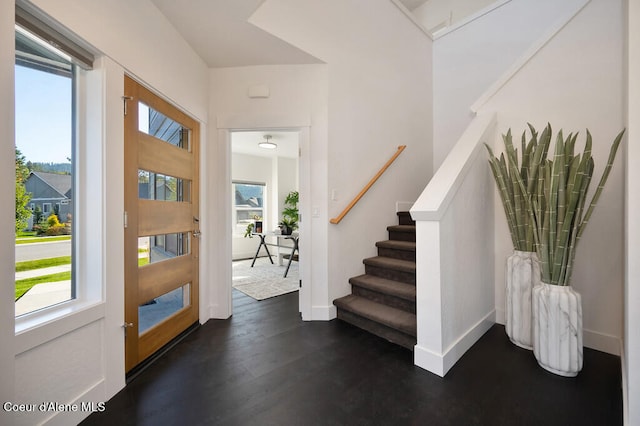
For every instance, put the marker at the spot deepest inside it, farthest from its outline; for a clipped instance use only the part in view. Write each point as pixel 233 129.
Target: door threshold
pixel 138 369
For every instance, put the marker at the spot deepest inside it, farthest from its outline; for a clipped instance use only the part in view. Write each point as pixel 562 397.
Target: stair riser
pixel 405 219
pixel 402 236
pixel 397 254
pixel 391 274
pixel 395 302
pixel 387 333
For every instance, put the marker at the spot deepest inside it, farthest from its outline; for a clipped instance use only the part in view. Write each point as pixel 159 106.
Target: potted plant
pixel 561 213
pixel 290 214
pixel 522 267
pixel 253 227
pixel 556 205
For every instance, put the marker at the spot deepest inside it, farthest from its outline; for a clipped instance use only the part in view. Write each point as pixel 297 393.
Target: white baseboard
pixel 323 313
pixel 217 312
pixel 95 394
pixel 601 342
pixel 441 363
pixel 429 360
pixel 591 339
pixel 625 388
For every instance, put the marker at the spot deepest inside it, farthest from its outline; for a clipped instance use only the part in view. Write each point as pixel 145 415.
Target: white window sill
pixel 39 327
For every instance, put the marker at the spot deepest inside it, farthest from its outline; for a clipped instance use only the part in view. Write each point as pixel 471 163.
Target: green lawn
pixel 22 286
pixel 42 263
pixel 30 240
pixel 23 234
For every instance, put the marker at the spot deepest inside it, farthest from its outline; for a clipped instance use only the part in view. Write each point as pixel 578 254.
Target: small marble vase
pixel 557 329
pixel 523 273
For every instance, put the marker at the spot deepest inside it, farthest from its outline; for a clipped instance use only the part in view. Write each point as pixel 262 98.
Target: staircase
pixel 383 300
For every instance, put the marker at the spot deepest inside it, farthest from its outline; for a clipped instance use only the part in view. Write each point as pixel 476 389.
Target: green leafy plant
pixel 51 227
pixel 509 172
pixel 544 200
pixel 290 214
pixel 559 204
pixel 291 206
pixel 248 232
pixel 287 226
pixel 22 196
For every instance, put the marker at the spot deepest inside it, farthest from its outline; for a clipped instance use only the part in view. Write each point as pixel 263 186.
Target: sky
pixel 43 116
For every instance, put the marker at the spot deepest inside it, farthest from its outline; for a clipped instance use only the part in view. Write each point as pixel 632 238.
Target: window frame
pixel 234 213
pixel 48 208
pixel 87 291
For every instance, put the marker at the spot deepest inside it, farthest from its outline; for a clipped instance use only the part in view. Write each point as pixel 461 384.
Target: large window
pixel 248 205
pixel 45 81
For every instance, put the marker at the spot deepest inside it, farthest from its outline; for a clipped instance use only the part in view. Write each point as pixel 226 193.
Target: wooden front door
pixel 161 222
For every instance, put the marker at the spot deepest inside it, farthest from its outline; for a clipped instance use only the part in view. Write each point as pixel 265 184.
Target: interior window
pixel 248 205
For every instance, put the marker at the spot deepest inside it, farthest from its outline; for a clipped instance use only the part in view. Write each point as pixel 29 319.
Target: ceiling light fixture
pixel 267 144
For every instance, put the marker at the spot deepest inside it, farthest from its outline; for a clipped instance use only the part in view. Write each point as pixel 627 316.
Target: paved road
pixel 42 250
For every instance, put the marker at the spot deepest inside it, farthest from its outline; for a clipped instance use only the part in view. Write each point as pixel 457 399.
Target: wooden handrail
pixel 337 219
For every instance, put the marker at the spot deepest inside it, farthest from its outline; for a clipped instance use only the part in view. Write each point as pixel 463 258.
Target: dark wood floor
pixel 266 367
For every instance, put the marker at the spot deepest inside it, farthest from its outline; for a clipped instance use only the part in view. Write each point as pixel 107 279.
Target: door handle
pixel 196 232
pixel 127 325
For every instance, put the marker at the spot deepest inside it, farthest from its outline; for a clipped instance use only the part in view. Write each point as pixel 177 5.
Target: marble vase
pixel 557 329
pixel 523 273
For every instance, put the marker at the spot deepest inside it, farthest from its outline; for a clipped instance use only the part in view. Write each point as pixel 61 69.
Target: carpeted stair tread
pixel 397 245
pixel 385 286
pixel 383 299
pixel 391 263
pixel 386 315
pixel 402 228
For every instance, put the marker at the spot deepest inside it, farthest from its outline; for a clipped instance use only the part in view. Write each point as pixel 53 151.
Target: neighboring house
pixel 49 190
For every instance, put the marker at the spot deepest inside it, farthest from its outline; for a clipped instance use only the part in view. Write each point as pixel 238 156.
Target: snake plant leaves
pixel 545 200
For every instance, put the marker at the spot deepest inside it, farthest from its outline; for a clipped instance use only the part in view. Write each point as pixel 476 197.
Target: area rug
pixel 264 280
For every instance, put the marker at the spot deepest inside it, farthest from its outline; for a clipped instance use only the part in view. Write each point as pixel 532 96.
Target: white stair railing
pixel 454 250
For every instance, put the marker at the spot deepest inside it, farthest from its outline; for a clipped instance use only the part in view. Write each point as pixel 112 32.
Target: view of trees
pixel 62 168
pixel 22 196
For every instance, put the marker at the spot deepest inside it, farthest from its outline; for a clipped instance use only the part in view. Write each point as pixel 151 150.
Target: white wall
pixel 80 357
pixel 470 59
pixel 288 172
pixel 280 177
pixel 139 37
pixel 379 97
pixel 298 99
pixel 7 168
pixel 632 285
pixel 576 82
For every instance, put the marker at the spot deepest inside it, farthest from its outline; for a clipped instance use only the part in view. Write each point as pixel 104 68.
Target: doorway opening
pixel 265 221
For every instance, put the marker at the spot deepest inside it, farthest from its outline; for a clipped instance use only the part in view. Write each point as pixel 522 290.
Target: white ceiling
pixel 247 143
pixel 219 33
pixel 412 4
